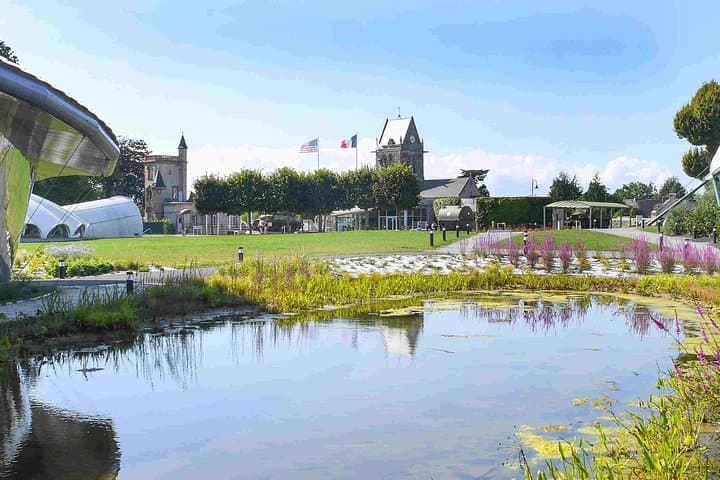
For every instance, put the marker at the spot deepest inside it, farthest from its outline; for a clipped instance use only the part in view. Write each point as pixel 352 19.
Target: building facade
pixel 400 143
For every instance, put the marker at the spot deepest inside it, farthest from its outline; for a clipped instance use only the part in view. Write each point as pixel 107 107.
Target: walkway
pixel 652 237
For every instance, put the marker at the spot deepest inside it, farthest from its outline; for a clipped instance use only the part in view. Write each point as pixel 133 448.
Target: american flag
pixel 308 147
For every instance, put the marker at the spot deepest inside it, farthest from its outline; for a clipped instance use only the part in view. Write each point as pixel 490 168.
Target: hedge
pixel 510 210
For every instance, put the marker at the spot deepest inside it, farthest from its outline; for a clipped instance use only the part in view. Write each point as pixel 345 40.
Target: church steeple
pixel 183 145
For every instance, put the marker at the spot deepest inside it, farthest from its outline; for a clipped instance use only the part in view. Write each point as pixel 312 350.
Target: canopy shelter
pixel 579 214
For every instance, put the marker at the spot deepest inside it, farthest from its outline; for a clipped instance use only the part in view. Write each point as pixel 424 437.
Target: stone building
pixel 166 197
pixel 400 142
pixel 166 184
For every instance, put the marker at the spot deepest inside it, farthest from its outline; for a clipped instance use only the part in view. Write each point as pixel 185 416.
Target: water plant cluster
pixel 44 262
pixel 638 255
pixel 677 435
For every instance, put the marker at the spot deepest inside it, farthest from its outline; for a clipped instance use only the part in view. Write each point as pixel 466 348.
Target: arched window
pixel 59 231
pixel 31 231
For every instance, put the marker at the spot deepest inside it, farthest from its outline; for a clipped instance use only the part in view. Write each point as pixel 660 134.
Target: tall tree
pixel 323 186
pixel 636 190
pixel 128 179
pixel 672 185
pixel 247 192
pixel 210 194
pixel 597 191
pixel 359 189
pixel 67 190
pixel 397 187
pixel 7 53
pixel 699 123
pixel 565 188
pixel 479 177
pixel 283 191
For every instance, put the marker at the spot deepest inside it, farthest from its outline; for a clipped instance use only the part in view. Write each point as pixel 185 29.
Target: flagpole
pixel 356 151
pixel 318 152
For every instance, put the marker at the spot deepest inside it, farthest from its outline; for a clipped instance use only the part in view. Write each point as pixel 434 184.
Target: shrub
pixel 513 256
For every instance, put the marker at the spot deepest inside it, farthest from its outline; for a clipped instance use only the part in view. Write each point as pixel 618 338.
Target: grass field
pixel 593 240
pixel 203 250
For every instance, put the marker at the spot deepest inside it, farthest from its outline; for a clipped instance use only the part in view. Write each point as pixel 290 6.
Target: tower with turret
pixel 165 181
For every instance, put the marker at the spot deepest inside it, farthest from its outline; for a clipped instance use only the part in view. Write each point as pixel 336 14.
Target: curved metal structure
pixel 43 133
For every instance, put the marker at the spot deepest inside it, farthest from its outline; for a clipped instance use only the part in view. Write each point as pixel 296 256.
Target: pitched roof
pixel 395 129
pixel 584 205
pixel 449 188
pixel 159 182
pixel 182 145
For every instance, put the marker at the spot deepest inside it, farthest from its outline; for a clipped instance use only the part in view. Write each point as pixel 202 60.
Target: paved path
pixel 652 237
pixel 72 289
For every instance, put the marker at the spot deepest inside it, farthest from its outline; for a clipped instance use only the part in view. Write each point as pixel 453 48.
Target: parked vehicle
pixel 278 223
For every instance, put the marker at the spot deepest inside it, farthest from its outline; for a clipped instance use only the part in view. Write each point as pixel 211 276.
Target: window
pixel 150 172
pixel 175 193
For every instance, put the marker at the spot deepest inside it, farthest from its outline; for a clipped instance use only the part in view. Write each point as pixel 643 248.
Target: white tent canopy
pixel 107 218
pixel 46 219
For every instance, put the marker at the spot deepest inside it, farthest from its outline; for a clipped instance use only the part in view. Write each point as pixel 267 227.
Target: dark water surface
pixel 437 394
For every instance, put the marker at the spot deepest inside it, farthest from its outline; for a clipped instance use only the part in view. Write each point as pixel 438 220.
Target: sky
pixel 523 88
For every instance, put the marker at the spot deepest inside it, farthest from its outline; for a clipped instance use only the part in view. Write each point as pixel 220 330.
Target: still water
pixel 436 393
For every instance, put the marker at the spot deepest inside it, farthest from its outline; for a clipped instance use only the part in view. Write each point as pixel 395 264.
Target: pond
pixel 446 390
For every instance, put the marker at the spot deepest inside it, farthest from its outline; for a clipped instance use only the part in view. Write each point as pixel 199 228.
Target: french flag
pixel 351 143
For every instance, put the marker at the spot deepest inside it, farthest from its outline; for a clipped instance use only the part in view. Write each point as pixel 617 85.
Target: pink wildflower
pixel 704 336
pixel 701 355
pixel 677 371
pixel 659 324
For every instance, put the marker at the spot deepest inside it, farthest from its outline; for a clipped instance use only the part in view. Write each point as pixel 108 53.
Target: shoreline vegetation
pixel 669 442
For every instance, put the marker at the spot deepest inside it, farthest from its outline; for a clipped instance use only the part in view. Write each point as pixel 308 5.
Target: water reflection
pixel 37 437
pixel 38 441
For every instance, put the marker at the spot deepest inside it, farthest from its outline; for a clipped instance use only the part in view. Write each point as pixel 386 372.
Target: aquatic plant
pixel 640 252
pixel 531 252
pixel 565 255
pixel 547 252
pixel 690 257
pixel 513 255
pixel 581 255
pixel 668 258
pixel 709 259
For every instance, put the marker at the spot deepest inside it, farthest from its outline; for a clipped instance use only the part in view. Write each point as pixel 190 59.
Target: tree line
pixel 310 194
pixel 565 188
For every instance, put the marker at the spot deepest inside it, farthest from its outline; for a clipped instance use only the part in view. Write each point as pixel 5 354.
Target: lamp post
pixel 533 186
pixel 241 254
pixel 61 268
pixel 130 283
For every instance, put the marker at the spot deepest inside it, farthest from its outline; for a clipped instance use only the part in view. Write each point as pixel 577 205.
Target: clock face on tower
pixel 412 138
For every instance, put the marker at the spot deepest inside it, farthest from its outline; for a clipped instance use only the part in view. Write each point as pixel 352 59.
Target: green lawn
pixel 218 249
pixel 593 240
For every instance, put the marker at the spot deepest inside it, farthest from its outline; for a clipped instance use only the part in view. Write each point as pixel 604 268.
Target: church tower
pixel 400 142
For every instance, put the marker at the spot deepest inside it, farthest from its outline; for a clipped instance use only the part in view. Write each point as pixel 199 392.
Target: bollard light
pixel 241 254
pixel 130 283
pixel 444 233
pixel 61 268
pixel 467 228
pixel 432 239
pixel 457 230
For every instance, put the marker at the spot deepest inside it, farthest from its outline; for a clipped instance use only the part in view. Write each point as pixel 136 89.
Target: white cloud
pixel 509 174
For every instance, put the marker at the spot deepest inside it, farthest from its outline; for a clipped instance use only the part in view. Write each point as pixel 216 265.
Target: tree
pixel 67 190
pixel 7 53
pixel 563 188
pixel 636 190
pixel 321 194
pixel 397 187
pixel 359 189
pixel 247 190
pixel 128 179
pixel 479 177
pixel 210 194
pixel 699 123
pixel 597 191
pixel 671 185
pixel 283 191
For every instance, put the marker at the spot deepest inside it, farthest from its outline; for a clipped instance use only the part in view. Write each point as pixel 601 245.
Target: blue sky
pixel 524 88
